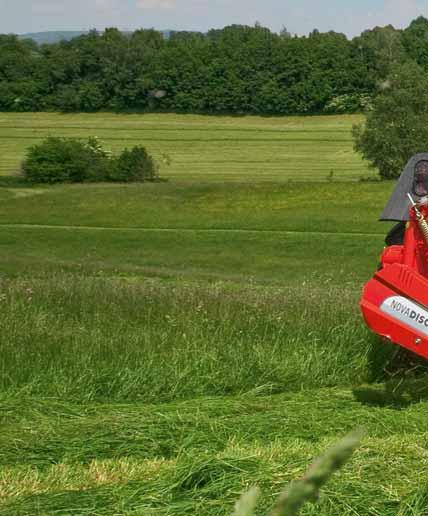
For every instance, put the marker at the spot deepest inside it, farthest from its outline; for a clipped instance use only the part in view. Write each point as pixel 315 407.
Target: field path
pixel 191 230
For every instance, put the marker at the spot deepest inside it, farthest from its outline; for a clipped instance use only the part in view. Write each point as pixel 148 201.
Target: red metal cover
pixel 395 301
pixel 395 306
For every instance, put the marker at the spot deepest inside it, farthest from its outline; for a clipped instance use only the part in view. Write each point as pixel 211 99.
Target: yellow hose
pixel 423 226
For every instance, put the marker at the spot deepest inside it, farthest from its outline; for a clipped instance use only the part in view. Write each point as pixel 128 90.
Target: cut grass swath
pixel 207 148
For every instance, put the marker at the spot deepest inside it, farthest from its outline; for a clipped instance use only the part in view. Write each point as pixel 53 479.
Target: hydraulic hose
pixel 422 223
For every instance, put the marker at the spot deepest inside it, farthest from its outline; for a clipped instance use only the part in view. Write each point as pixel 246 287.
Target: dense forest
pixel 238 69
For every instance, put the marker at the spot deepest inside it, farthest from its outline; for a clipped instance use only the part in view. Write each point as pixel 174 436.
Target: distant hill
pixel 65 35
pixel 52 36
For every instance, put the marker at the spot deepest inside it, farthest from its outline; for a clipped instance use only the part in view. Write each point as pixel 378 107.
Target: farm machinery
pixel 395 300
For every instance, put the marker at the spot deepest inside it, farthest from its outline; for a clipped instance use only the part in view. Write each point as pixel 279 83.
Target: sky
pixel 299 16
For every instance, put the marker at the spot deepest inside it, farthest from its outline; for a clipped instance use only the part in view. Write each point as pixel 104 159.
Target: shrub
pixel 61 160
pixel 133 165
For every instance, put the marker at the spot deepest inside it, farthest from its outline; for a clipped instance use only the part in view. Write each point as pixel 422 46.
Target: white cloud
pixel 156 4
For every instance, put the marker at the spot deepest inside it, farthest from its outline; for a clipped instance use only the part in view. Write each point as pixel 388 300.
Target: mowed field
pixel 166 346
pixel 204 148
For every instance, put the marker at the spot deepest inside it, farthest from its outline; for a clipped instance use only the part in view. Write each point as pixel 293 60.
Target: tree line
pixel 238 69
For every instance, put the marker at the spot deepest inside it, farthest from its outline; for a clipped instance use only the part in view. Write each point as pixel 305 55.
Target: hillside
pixel 50 37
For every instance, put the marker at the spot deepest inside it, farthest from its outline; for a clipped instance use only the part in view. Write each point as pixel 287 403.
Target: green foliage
pixel 68 160
pixel 396 128
pixel 381 49
pixel 238 69
pixel 133 165
pixel 84 97
pixel 60 160
pixel 349 103
pixel 415 41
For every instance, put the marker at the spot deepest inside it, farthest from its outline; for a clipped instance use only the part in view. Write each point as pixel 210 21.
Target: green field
pixel 204 148
pixel 166 346
pixel 275 233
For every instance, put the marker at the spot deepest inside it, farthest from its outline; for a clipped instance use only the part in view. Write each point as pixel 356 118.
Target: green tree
pixel 397 126
pixel 381 49
pixel 415 41
pixel 19 91
pixel 237 69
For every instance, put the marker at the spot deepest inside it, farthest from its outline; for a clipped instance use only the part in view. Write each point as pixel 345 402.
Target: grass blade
pixel 307 489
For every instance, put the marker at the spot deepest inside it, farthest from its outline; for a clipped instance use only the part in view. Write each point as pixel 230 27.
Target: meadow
pixel 166 346
pixel 204 148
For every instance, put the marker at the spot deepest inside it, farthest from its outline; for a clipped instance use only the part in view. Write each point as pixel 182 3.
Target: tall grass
pixel 90 338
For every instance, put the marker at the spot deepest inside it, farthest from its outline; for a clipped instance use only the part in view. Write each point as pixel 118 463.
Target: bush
pixel 66 160
pixel 133 165
pixel 60 160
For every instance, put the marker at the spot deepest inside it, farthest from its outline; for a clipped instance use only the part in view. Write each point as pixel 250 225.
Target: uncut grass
pixel 313 207
pixel 86 339
pixel 208 148
pixel 243 257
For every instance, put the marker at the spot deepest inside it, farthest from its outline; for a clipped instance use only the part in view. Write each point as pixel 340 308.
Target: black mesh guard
pixel 420 182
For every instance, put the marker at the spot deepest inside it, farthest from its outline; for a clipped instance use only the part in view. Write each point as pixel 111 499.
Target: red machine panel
pixel 395 301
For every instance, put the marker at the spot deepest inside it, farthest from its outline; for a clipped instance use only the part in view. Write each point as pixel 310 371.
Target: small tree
pixel 397 127
pixel 133 165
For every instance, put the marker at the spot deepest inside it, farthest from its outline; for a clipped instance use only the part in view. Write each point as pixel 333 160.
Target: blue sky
pixel 299 16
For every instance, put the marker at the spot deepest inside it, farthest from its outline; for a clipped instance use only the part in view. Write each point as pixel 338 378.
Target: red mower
pixel 395 300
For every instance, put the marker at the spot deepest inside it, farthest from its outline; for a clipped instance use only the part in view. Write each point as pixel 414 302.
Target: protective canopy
pixel 397 207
